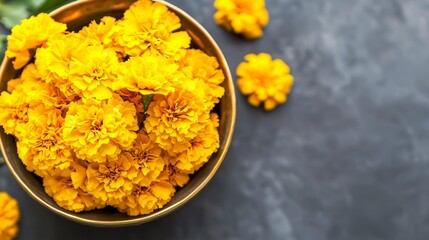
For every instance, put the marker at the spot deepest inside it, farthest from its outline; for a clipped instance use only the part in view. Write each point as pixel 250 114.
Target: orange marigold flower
pixel 176 176
pixel 148 26
pixel 9 217
pixel 61 189
pixel 173 120
pixel 201 148
pixel 148 74
pixel 200 66
pixel 99 129
pixel 42 149
pixel 144 200
pixel 242 16
pixel 111 181
pixel 265 80
pixel 147 158
pixel 91 71
pixel 31 33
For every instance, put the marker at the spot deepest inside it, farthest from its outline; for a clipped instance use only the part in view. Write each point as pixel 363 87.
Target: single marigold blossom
pixel 42 149
pixel 242 16
pixel 111 181
pixel 61 189
pixel 148 27
pixel 96 33
pixel 9 217
pixel 148 74
pixel 265 80
pixel 99 129
pixel 147 159
pixel 91 71
pixel 144 200
pixel 201 148
pixel 173 120
pixel 198 65
pixel 30 34
pixel 53 61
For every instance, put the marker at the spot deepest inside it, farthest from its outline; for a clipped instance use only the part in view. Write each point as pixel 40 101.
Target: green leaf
pixel 146 101
pixel 1 159
pixel 2 45
pixel 12 13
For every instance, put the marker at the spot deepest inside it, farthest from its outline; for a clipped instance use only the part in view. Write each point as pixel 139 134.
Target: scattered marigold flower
pixel 9 217
pixel 265 80
pixel 242 16
pixel 30 34
pixel 99 129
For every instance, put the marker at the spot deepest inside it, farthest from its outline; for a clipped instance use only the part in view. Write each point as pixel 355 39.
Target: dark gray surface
pixel 347 158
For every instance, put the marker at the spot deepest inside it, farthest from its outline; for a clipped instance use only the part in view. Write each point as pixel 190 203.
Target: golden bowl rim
pixel 163 211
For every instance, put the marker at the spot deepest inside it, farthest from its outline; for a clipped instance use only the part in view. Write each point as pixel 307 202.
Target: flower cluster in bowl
pixel 117 114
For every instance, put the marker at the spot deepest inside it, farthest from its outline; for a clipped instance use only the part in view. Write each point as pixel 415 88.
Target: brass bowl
pixel 76 15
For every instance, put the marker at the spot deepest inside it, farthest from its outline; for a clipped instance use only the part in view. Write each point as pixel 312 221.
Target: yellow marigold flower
pixel 173 120
pixel 201 148
pixel 149 26
pixel 91 71
pixel 111 181
pixel 99 129
pixel 198 65
pixel 242 16
pixel 264 80
pixel 144 200
pixel 53 61
pixel 33 89
pixel 42 148
pixel 96 33
pixel 61 189
pixel 31 33
pixel 147 158
pixel 13 113
pixel 148 74
pixel 9 217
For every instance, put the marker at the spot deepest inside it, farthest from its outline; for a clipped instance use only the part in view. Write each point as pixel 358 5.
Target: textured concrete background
pixel 347 158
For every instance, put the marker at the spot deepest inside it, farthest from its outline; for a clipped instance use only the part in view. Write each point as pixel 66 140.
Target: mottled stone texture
pixel 347 158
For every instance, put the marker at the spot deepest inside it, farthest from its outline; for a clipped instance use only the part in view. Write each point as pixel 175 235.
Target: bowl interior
pixel 76 15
